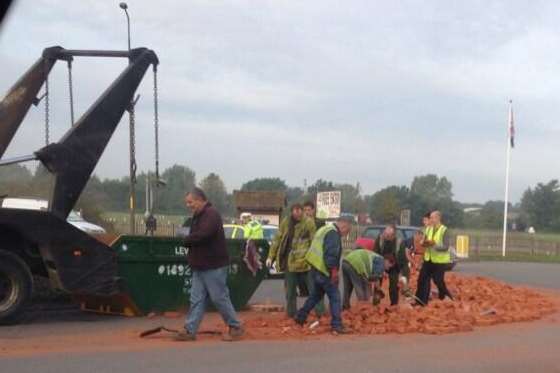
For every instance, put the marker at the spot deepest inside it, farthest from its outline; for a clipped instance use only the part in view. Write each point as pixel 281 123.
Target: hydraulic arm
pixel 74 157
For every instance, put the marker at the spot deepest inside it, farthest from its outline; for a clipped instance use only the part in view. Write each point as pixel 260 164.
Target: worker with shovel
pixel 399 269
pixel 386 245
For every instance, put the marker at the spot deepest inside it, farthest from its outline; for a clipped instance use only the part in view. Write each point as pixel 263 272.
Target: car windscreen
pixel 228 232
pixel 409 232
pixel 239 233
pixel 372 233
pixel 269 233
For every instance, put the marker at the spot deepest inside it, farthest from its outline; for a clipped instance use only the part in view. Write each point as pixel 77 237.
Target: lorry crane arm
pixel 73 158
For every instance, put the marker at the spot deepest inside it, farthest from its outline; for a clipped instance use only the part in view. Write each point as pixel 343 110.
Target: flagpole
pixel 506 198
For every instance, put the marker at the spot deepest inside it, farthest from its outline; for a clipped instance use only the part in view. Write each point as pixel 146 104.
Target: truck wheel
pixel 16 285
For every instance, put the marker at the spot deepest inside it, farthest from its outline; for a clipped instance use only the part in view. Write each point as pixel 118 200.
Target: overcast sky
pixel 374 92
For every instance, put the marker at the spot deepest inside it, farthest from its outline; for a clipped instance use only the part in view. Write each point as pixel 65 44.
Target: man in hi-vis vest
pixel 361 269
pixel 324 258
pixel 436 260
pixel 253 230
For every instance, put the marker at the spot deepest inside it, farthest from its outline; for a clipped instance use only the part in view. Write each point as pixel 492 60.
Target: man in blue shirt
pixel 324 257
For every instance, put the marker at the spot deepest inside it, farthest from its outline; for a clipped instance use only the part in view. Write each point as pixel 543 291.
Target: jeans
pixel 353 281
pixel 322 285
pixel 436 272
pixel 291 280
pixel 210 285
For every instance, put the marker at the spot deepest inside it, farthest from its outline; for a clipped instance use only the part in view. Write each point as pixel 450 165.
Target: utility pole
pixel 508 157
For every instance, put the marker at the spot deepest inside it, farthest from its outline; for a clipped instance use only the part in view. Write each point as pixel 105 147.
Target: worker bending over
pixel 437 258
pixel 386 241
pixel 253 230
pixel 324 258
pixel 386 245
pixel 361 269
pixel 399 270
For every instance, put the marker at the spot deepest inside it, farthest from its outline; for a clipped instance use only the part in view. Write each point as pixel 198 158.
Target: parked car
pixel 234 231
pixel 269 232
pixel 74 217
pixel 238 231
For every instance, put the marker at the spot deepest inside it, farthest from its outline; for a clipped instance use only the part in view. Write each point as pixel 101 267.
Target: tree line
pixel 539 205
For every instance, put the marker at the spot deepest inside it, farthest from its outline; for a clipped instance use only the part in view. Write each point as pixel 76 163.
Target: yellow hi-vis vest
pixel 431 254
pixel 253 230
pixel 316 251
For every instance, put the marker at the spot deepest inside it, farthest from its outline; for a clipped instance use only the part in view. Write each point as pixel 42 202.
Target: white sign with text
pixel 328 204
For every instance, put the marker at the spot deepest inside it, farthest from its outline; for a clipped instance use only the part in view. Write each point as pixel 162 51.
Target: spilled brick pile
pixel 478 302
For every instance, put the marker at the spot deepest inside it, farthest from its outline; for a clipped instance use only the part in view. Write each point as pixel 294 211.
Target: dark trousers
pixel 394 273
pixel 436 272
pixel 394 284
pixel 322 285
pixel 291 280
pixel 353 281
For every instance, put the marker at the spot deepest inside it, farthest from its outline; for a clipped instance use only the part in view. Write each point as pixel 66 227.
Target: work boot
pixel 300 322
pixel 341 330
pixel 233 334
pixel 407 292
pixel 184 336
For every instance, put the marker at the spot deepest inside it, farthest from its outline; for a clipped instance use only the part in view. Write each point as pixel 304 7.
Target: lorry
pixel 125 275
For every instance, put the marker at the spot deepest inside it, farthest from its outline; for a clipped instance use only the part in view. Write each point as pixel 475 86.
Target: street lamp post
pixel 124 7
pixel 130 109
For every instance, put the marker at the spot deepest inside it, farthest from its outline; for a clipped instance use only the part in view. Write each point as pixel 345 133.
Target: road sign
pixel 405 217
pixel 328 204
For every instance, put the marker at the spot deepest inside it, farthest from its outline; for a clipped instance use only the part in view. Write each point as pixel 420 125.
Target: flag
pixel 511 128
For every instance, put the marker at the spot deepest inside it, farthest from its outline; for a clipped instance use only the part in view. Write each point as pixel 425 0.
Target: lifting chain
pixel 156 123
pixel 71 93
pixel 132 142
pixel 47 96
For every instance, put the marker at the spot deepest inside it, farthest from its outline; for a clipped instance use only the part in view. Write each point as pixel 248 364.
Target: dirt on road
pixel 479 302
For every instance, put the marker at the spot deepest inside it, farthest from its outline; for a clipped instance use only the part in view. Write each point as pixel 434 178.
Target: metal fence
pixel 488 244
pixel 492 244
pixel 163 228
pixel 478 244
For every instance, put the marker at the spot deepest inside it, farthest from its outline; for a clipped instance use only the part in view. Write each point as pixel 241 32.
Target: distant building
pixel 472 210
pixel 265 206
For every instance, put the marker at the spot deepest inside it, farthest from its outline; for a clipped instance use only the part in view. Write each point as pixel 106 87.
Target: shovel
pixel 160 329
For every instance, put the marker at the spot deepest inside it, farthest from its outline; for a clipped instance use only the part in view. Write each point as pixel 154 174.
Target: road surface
pixel 504 348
